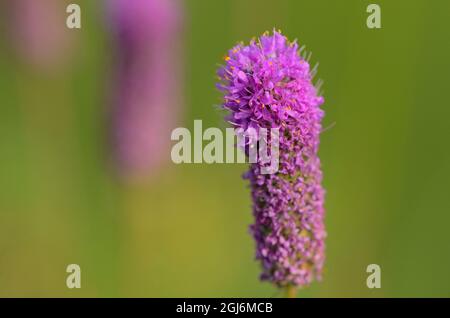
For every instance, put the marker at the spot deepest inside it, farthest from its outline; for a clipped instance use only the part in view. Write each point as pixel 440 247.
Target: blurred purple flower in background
pixel 267 84
pixel 145 101
pixel 38 30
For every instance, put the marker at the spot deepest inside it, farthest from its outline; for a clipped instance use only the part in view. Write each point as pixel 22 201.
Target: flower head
pixel 38 32
pixel 268 84
pixel 146 84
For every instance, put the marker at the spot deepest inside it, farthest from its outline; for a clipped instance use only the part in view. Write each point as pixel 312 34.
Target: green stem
pixel 291 291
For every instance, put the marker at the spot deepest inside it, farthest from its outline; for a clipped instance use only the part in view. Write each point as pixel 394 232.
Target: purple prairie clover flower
pixel 268 84
pixel 39 33
pixel 145 82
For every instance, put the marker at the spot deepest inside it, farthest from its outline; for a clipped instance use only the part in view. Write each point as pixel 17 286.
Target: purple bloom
pixel 267 84
pixel 146 90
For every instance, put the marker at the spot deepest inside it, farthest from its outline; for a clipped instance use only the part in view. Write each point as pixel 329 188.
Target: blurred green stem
pixel 291 291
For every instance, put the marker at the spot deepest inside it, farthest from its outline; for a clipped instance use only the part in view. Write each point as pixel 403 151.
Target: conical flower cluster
pixel 145 103
pixel 268 84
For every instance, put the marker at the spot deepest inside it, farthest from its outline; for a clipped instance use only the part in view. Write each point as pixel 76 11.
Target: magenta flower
pixel 146 89
pixel 267 84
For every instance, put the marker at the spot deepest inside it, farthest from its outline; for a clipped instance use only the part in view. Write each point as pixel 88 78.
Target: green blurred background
pixel 184 231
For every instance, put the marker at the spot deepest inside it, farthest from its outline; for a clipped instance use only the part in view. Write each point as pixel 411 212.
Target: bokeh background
pixel 182 230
